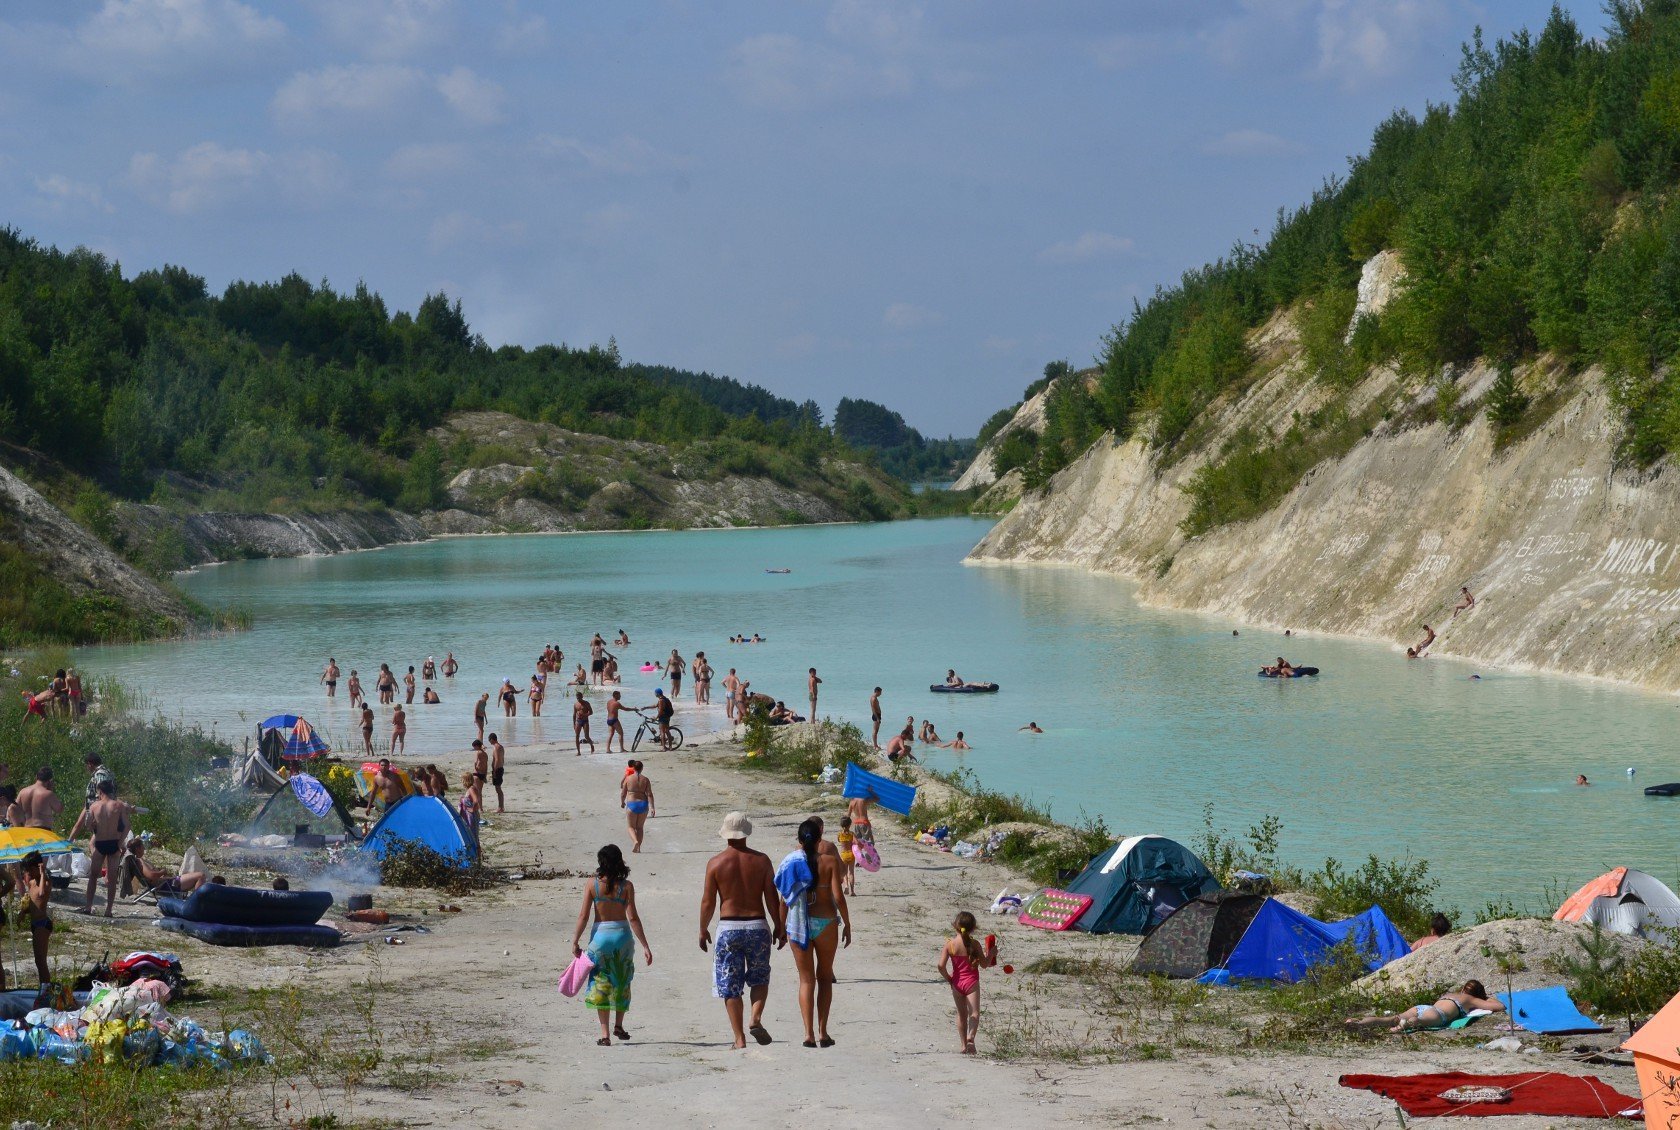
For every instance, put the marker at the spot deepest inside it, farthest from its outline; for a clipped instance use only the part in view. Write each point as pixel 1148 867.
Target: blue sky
pixel 919 203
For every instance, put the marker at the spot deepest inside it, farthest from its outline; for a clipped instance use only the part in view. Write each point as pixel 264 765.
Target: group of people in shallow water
pixel 761 906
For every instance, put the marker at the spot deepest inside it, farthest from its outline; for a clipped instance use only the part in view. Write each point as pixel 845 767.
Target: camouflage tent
pixel 1198 936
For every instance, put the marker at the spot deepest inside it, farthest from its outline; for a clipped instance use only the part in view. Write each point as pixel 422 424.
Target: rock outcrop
pixel 79 562
pixel 1574 561
pixel 221 536
pixel 1030 414
pixel 549 478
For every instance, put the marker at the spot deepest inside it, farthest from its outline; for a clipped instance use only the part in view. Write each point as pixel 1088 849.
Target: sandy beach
pixel 475 1033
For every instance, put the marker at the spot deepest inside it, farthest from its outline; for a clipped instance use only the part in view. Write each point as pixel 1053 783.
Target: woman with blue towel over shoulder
pixel 611 897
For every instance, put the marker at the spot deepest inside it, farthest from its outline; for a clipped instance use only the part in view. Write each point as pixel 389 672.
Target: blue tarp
pixel 1548 1011
pixel 1281 944
pixel 425 820
pixel 895 796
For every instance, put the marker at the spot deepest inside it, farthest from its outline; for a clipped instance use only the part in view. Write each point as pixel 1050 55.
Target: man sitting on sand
pixel 740 886
pixel 155 879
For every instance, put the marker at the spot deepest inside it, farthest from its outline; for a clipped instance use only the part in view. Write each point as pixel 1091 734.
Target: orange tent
pixel 1607 885
pixel 1656 1057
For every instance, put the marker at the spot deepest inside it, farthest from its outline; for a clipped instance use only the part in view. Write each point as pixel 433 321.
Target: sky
pixel 917 203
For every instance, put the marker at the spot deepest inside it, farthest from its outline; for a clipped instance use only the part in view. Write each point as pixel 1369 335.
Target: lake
pixel 1148 715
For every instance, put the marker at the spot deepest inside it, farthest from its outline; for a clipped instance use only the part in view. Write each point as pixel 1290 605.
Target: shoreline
pixel 1136 583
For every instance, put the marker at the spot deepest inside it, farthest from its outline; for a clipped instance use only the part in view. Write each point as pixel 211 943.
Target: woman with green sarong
pixel 611 898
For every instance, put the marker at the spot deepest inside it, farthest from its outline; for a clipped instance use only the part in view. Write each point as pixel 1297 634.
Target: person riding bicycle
pixel 663 710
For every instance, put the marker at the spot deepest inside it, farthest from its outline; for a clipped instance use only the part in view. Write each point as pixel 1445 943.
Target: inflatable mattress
pixel 248 906
pixel 970 688
pixel 222 934
pixel 1295 674
pixel 1670 789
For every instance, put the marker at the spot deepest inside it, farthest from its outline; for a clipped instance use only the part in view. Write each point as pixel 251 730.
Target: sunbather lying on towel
pixel 1426 1017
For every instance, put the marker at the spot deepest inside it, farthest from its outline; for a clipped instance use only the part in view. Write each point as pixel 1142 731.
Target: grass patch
pixel 1254 474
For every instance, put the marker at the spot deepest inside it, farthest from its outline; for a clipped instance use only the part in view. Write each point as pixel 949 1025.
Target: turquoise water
pixel 1149 715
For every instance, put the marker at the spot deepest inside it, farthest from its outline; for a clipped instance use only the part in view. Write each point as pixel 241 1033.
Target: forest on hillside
pixel 288 394
pixel 1535 214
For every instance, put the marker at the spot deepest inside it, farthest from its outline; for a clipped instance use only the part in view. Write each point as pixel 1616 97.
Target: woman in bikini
pixel 635 794
pixel 355 686
pixel 471 804
pixel 536 694
pixel 1449 1007
pixel 702 672
pixel 826 904
pixel 611 898
pixel 510 697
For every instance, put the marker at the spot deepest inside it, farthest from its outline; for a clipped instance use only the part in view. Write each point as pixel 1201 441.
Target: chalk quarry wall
pixel 1575 564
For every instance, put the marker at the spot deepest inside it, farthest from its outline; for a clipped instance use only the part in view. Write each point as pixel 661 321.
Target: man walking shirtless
pixel 741 888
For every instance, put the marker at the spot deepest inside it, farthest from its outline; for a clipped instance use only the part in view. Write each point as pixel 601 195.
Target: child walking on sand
pixel 959 964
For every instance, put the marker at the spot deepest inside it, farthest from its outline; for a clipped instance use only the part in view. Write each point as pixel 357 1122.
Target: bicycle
pixel 650 729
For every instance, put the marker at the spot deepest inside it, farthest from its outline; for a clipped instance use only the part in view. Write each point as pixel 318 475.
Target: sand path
pixel 895 1063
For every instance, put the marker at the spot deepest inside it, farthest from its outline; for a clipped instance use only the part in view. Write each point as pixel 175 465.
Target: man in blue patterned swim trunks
pixel 741 888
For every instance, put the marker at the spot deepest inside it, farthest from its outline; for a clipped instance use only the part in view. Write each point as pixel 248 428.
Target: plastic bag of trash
pixel 64 1050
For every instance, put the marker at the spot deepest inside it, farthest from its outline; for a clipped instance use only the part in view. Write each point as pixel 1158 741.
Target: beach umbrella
pixel 303 742
pixel 15 843
pixel 279 722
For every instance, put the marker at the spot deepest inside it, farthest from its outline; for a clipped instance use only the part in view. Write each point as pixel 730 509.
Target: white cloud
pixel 875 23
pixel 462 228
pixel 1087 247
pixel 309 178
pixel 422 161
pixel 1252 143
pixel 207 175
pixel 162 33
pixel 522 35
pixel 201 177
pixel 906 316
pixel 784 72
pixel 607 221
pixel 625 155
pixel 1122 52
pixel 64 192
pixel 389 29
pixel 475 99
pixel 357 90
pixel 1359 42
pixel 797 346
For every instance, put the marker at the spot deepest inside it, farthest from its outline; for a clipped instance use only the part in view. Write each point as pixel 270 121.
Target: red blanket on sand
pixel 1532 1092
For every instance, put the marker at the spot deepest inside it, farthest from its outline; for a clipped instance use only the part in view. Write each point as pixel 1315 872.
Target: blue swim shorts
pixel 742 958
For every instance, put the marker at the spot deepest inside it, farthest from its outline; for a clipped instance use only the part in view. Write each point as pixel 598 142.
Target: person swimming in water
pixel 1030 728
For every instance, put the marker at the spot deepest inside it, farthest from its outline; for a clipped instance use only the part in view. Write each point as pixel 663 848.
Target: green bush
pixel 1402 888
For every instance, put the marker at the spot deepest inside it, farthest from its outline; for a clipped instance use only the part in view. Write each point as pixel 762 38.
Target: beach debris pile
pixel 126 1024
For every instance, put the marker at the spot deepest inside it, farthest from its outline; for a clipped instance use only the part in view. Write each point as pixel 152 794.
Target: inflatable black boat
pixel 966 688
pixel 1294 673
pixel 1670 789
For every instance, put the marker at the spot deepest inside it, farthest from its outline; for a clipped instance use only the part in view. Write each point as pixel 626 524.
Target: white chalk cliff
pixel 1574 561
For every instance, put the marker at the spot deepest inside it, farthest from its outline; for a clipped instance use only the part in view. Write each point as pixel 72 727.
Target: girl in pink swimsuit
pixel 959 964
